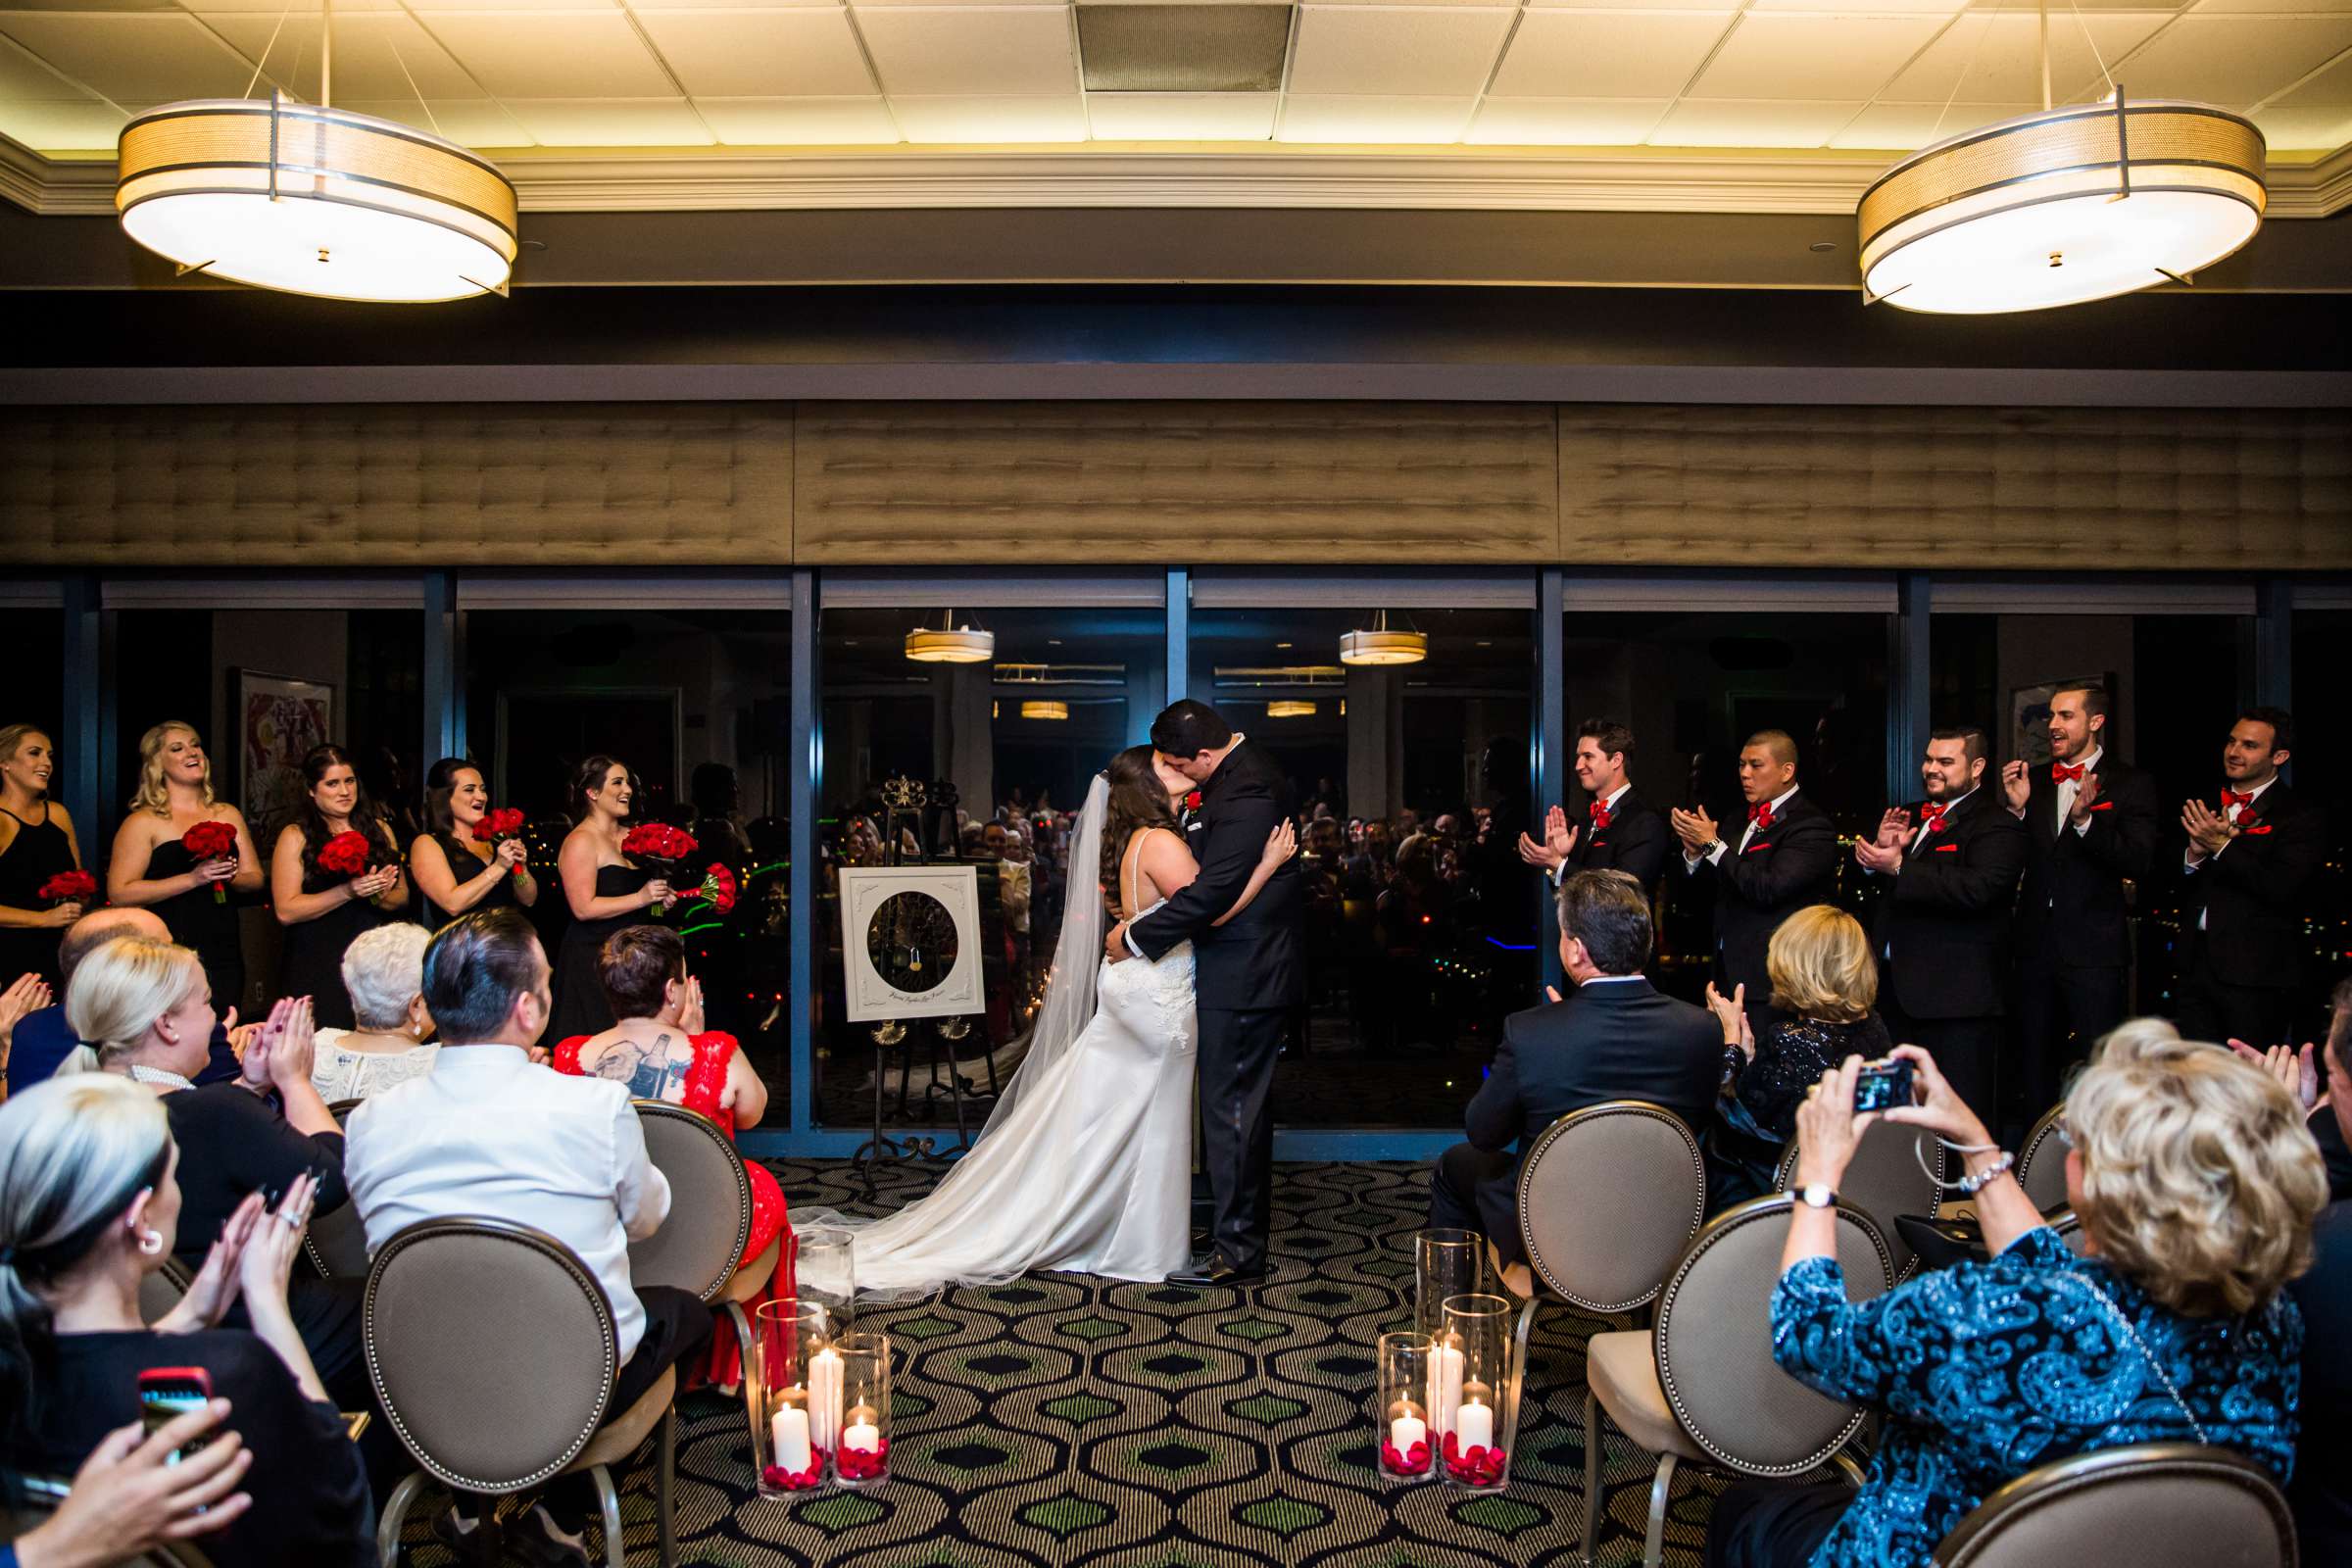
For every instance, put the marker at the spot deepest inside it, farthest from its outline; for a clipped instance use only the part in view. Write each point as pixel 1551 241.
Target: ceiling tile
pixel 972 51
pixel 550 54
pixel 1396 50
pixel 1783 56
pixel 370 49
pixel 274 8
pixel 87 127
pixel 24 79
pixel 1373 120
pixel 1181 116
pixel 610 121
pixel 1906 127
pixel 1996 59
pixel 1847 8
pixel 468 121
pixel 1612 54
pixel 800 122
pixel 2231 59
pixel 2305 130
pixel 978 119
pixel 145 58
pixel 642 6
pixel 750 54
pixel 1751 123
pixel 2330 88
pixel 1626 5
pixel 2303 8
pixel 1180 48
pixel 1565 121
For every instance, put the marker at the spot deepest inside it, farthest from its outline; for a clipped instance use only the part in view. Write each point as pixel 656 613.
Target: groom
pixel 1250 973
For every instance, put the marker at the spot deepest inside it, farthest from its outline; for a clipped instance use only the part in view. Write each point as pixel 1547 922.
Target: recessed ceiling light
pixel 1282 645
pixel 1821 247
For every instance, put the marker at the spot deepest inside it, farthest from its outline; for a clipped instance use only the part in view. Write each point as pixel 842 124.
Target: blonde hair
pixel 383 971
pixel 153 796
pixel 1821 966
pixel 2199 1180
pixel 2144 1040
pixel 120 990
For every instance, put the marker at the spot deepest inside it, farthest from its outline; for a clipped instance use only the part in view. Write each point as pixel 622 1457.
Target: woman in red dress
pixel 660 1050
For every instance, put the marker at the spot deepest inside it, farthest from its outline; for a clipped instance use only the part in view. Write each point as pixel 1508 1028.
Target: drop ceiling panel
pixel 972 51
pixel 2331 85
pixel 1372 120
pixel 551 54
pixel 1607 54
pixel 1181 116
pixel 612 121
pixel 148 58
pixel 2305 130
pixel 371 48
pixel 2231 59
pixel 274 8
pixel 800 122
pixel 984 119
pixel 1565 121
pixel 468 121
pixel 1812 57
pixel 1751 123
pixel 1379 50
pixel 1183 48
pixel 24 79
pixel 732 5
pixel 1906 127
pixel 750 54
pixel 1993 58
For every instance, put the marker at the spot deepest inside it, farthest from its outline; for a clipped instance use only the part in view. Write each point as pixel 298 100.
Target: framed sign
pixel 279 719
pixel 910 941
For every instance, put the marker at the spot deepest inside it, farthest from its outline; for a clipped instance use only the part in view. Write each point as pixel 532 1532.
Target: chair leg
pixel 396 1510
pixel 662 1501
pixel 1653 1544
pixel 609 1500
pixel 1527 1323
pixel 1584 1555
pixel 1847 1467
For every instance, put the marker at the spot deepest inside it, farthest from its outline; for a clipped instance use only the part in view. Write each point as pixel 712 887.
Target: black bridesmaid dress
pixel 39 850
pixel 313 961
pixel 580 1005
pixel 459 858
pixel 196 920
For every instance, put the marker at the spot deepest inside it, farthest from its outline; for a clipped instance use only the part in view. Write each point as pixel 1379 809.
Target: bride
pixel 1086 1163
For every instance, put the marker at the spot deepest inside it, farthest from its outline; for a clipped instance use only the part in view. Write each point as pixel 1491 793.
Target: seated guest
pixel 2196 1186
pixel 90 1204
pixel 490 1133
pixel 661 1052
pixel 27 997
pixel 1824 981
pixel 136 1491
pixel 147 1009
pixel 1614 1037
pixel 44 1040
pixel 383 975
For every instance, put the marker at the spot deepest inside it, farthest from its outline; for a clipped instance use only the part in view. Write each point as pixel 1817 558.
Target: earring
pixel 151 1241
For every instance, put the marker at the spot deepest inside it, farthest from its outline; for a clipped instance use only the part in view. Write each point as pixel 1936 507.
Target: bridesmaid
pixel 456 874
pixel 36 843
pixel 323 910
pixel 149 868
pixel 605 890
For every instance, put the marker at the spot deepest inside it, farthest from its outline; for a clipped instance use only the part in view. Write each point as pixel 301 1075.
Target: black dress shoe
pixel 1215 1270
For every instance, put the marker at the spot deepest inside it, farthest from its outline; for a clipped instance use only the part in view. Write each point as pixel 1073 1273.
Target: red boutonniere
pixel 1191 800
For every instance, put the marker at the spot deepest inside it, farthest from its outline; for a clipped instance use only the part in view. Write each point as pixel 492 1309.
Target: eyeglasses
pixel 2066 1132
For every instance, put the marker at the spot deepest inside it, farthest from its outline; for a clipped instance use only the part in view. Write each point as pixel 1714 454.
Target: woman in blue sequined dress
pixel 2196 1185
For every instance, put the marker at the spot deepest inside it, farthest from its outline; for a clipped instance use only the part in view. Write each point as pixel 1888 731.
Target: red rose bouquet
pixel 68 887
pixel 718 887
pixel 211 840
pixel 346 854
pixel 657 841
pixel 497 826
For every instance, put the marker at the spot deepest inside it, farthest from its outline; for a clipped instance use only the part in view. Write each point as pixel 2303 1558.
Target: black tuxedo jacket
pixel 1635 842
pixel 2071 910
pixel 2251 894
pixel 1610 1040
pixel 1785 867
pixel 1945 919
pixel 1258 958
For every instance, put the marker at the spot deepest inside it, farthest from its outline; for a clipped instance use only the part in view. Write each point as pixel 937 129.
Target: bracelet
pixel 1973 1185
pixel 1967 1184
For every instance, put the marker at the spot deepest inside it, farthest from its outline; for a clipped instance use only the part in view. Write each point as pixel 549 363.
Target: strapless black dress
pixel 196 920
pixel 580 1004
pixel 313 963
pixel 467 869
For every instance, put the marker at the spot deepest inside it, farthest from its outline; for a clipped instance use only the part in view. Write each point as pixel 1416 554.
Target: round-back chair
pixel 337 1243
pixel 1886 1179
pixel 2041 1163
pixel 2152 1505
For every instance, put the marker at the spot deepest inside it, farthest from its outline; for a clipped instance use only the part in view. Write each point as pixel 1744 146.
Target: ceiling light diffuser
pixel 1381 646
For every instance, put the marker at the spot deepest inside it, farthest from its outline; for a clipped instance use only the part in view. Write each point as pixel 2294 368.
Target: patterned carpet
pixel 1065 1420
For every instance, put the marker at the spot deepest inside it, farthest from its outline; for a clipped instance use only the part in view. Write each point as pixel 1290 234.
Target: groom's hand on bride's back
pixel 1114 945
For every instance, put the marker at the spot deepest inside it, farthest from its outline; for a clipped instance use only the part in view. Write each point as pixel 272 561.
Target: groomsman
pixel 2091 823
pixel 1943 926
pixel 1784 858
pixel 1621 832
pixel 2248 861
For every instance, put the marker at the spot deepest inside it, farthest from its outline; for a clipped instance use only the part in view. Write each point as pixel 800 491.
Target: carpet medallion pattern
pixel 1062 1420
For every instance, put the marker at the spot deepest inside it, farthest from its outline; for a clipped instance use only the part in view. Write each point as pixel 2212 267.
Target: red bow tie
pixel 1760 814
pixel 2060 773
pixel 1601 815
pixel 1931 813
pixel 2229 798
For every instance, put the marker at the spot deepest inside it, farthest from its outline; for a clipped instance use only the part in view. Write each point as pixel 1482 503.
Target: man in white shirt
pixel 493 1134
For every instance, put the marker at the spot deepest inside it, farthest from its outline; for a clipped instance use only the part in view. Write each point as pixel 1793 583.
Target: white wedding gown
pixel 1087 1166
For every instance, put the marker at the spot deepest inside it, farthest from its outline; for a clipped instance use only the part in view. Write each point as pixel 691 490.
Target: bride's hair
pixel 1137 800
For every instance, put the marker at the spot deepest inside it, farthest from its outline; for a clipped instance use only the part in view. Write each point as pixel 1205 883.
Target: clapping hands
pixel 2207 829
pixel 1559 842
pixel 284 1050
pixel 1733 1016
pixel 1695 828
pixel 2298 1072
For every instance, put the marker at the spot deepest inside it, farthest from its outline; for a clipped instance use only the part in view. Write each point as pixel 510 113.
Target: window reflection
pixel 2321 762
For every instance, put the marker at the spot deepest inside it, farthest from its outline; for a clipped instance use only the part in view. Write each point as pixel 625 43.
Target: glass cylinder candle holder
pixel 787 1336
pixel 1407 1442
pixel 862 1456
pixel 1478 1426
pixel 1446 1264
pixel 825 1271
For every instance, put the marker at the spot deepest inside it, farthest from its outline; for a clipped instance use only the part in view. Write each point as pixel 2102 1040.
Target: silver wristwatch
pixel 1815 1195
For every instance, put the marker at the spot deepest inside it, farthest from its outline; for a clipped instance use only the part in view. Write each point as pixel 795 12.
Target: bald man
pixel 1782 859
pixel 42 1040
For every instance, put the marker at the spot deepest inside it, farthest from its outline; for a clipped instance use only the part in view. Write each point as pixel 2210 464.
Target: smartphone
pixel 1883 1085
pixel 166 1392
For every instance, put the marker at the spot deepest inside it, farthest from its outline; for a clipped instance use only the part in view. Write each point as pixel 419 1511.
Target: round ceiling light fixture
pixel 946 644
pixel 2062 207
pixel 1381 646
pixel 1045 710
pixel 1289 707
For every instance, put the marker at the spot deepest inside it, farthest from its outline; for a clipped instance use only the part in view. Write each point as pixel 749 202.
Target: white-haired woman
pixel 89 1205
pixel 2196 1186
pixel 151 867
pixel 383 975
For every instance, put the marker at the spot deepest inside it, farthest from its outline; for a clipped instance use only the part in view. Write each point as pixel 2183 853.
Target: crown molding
pixel 1628 182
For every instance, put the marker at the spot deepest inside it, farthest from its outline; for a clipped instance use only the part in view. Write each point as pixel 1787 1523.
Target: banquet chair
pixel 39 1497
pixel 336 1242
pixel 1888 1179
pixel 2152 1505
pixel 160 1292
pixel 2041 1163
pixel 1701 1388
pixel 493 1353
pixel 709 1221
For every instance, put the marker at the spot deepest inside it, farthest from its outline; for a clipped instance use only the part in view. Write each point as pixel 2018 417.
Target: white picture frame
pixel 871 998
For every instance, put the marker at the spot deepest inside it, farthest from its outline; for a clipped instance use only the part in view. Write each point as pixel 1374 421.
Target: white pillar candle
pixel 1474 1427
pixel 862 1434
pixel 1445 1386
pixel 825 1398
pixel 791 1431
pixel 1405 1431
